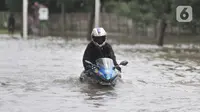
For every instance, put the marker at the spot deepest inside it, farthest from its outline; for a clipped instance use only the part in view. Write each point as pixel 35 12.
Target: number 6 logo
pixel 184 13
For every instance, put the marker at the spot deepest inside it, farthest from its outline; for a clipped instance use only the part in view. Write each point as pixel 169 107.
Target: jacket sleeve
pixel 112 55
pixel 86 56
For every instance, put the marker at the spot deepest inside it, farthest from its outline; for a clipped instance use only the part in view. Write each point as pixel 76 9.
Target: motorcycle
pixel 103 72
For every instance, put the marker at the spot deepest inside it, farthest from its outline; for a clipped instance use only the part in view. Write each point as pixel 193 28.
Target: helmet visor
pixel 99 40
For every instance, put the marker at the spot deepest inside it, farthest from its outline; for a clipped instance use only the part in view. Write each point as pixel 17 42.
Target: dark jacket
pixel 92 53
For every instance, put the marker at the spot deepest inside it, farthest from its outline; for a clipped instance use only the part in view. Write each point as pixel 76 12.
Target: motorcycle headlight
pixel 96 71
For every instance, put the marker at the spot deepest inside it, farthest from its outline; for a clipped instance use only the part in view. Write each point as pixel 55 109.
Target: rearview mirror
pixel 88 62
pixel 124 63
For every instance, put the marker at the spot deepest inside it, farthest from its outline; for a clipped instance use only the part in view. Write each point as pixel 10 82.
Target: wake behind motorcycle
pixel 103 72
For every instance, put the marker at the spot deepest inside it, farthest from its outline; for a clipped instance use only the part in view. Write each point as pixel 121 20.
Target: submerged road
pixel 41 75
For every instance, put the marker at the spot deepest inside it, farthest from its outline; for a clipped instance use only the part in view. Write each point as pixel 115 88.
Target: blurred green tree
pixel 153 11
pixel 141 11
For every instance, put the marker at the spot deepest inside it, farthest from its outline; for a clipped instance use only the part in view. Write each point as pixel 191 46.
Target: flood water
pixel 41 75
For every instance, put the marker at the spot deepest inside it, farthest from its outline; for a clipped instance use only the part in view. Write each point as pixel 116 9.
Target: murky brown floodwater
pixel 41 75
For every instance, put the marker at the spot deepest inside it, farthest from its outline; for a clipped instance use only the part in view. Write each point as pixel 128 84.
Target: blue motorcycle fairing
pixel 107 73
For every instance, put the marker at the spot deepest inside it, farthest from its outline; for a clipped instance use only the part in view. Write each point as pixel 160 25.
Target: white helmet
pixel 99 36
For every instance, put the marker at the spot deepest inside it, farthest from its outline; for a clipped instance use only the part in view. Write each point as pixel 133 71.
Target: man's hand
pixel 118 68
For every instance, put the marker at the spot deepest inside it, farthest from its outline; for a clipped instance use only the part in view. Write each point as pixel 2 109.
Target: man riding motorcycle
pixel 98 48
